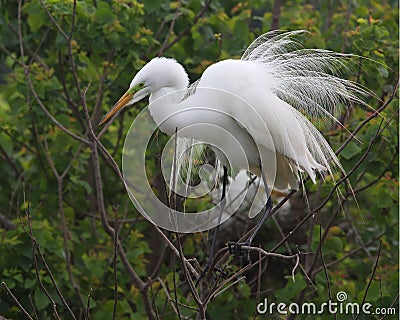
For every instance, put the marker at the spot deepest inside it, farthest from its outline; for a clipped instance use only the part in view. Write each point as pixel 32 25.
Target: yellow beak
pixel 118 106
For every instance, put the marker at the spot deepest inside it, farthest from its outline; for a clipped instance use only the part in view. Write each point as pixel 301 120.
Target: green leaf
pixel 382 199
pixel 152 5
pixel 41 300
pixel 29 283
pixel 104 14
pixel 292 289
pixel 373 293
pixel 35 21
pixel 84 184
pixel 383 71
pixel 332 245
pixel 368 45
pixel 105 310
pixel 350 151
pixel 362 21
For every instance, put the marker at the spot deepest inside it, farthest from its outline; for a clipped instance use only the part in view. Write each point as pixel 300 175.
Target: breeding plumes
pixel 255 112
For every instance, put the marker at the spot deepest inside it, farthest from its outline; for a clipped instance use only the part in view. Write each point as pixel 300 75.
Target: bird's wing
pixel 282 86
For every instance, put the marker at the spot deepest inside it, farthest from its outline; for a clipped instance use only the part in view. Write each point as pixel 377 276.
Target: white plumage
pixel 263 101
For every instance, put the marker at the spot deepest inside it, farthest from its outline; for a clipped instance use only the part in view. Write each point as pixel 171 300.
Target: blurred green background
pixel 48 183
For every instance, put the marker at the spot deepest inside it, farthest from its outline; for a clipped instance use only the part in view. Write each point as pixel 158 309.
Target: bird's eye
pixel 136 87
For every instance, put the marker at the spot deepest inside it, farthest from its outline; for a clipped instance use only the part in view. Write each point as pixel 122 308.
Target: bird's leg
pixel 236 247
pixel 264 217
pixel 216 230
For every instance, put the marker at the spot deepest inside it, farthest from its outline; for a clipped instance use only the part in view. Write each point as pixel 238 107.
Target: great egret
pixel 265 101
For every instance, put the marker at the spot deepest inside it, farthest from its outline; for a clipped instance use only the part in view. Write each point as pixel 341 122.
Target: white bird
pixel 265 101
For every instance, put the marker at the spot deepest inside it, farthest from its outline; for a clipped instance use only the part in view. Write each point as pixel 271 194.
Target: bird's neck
pixel 162 104
pixel 168 94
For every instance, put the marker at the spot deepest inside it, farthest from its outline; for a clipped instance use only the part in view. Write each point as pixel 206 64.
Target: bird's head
pixel 158 73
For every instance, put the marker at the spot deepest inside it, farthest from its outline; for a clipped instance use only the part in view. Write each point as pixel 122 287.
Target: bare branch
pixel 16 300
pixel 325 269
pixel 139 283
pixel 347 255
pixel 172 301
pixel 114 314
pixel 36 247
pixel 32 88
pixel 187 29
pixel 372 116
pixel 6 224
pixel 372 275
pixel 323 203
pixel 88 304
pixel 170 30
pixel 276 13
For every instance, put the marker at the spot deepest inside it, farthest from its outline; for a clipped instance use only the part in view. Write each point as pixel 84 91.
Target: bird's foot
pixel 243 255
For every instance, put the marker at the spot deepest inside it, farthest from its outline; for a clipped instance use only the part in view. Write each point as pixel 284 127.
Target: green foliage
pixel 112 40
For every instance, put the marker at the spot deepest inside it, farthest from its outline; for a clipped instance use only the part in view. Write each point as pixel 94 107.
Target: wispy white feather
pixel 310 83
pixel 308 79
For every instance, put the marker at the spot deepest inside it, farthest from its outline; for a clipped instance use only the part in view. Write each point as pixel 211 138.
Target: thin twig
pixel 88 304
pixel 324 202
pixel 178 312
pixel 153 300
pixel 271 254
pixel 217 293
pixel 395 302
pixel 365 121
pixel 115 263
pixel 306 275
pixel 16 300
pixel 172 301
pixel 33 306
pixel 65 231
pixel 53 20
pixel 116 169
pixel 36 247
pixel 325 269
pixel 32 88
pixel 95 143
pixel 276 255
pixel 258 285
pixel 372 275
pixel 176 252
pixel 349 254
pixel 187 29
pixel 170 30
